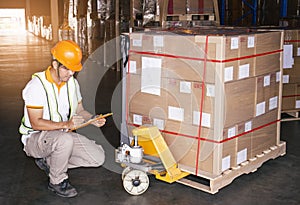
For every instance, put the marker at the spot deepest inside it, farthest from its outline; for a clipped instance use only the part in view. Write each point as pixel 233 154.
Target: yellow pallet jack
pixel 148 153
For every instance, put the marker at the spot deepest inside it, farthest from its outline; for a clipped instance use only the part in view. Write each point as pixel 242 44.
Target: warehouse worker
pixel 53 107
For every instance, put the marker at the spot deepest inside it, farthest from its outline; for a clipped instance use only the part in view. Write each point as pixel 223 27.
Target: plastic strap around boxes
pixel 201 105
pixel 207 60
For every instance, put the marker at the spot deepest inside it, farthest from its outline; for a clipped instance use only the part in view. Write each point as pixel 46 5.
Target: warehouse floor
pixel 22 183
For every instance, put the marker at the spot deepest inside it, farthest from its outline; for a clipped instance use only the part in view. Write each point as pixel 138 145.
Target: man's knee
pixel 65 140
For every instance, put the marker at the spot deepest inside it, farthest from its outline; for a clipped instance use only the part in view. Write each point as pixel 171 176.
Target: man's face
pixel 64 73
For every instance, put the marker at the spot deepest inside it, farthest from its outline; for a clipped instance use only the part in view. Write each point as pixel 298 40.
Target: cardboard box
pixel 200 7
pixel 193 153
pixel 239 101
pixel 247 45
pixel 203 102
pixel 179 99
pixel 185 69
pixel 266 134
pixel 179 7
pixel 289 96
pixel 292 37
pixel 267 93
pixel 294 72
pixel 138 101
pixel 268 42
pixel 267 63
pixel 243 148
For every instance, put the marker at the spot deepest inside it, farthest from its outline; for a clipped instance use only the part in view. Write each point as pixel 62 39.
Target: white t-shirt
pixel 34 95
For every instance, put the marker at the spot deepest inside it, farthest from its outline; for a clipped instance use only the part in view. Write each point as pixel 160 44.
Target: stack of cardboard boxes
pixel 213 93
pixel 291 71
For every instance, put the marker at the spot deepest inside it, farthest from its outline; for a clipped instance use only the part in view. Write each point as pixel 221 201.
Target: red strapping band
pixel 291 41
pixel 290 96
pixel 205 59
pixel 210 140
pixel 201 7
pixel 201 105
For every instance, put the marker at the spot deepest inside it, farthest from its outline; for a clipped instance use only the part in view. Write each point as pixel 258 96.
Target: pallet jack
pixel 148 153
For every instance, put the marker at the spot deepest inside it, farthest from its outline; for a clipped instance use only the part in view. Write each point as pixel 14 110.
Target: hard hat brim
pixel 76 68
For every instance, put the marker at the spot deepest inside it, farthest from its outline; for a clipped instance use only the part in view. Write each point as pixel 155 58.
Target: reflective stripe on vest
pixel 54 114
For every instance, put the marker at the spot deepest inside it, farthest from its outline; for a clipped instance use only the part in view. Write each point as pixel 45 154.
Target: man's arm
pixel 38 123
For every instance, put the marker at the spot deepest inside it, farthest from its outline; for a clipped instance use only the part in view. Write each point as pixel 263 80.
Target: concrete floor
pixel 22 183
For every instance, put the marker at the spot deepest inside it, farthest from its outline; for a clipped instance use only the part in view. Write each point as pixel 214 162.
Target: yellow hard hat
pixel 69 54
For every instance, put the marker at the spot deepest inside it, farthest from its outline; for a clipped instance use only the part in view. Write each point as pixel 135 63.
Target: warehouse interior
pixel 110 34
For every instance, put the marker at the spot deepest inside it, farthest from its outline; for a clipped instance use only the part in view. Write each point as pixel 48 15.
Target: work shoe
pixel 64 189
pixel 42 164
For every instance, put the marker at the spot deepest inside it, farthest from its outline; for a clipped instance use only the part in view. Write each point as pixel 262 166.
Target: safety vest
pixel 54 114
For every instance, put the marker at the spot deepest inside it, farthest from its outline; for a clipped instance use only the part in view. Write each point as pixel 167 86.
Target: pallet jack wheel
pixel 125 171
pixel 135 182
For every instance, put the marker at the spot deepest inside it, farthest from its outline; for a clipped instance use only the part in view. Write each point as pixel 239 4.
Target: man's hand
pixel 100 122
pixel 76 121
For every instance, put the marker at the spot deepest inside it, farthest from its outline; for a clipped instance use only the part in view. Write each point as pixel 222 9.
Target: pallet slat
pixel 292 115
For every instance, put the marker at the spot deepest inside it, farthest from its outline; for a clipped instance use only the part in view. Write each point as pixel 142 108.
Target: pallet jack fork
pixel 159 162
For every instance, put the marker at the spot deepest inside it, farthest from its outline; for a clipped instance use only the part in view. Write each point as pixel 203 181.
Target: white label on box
pixel 297 103
pixel 251 42
pixel 158 41
pixel 137 119
pixel 298 51
pixel 137 42
pixel 210 90
pixel 151 75
pixel 241 156
pixel 176 113
pixel 205 119
pixel 244 71
pixel 285 79
pixel 248 126
pixel 132 67
pixel 234 43
pixel 288 59
pixel 231 132
pixel 260 108
pixel 160 124
pixel 225 163
pixel 267 80
pixel 273 103
pixel 278 76
pixel 228 74
pixel 185 87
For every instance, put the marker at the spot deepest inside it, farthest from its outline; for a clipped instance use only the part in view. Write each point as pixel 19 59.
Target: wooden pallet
pixel 190 17
pixel 228 176
pixel 290 115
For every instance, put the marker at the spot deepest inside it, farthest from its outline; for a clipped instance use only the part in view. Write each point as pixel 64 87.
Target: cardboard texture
pixel 289 96
pixel 192 7
pixel 179 7
pixel 239 101
pixel 200 7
